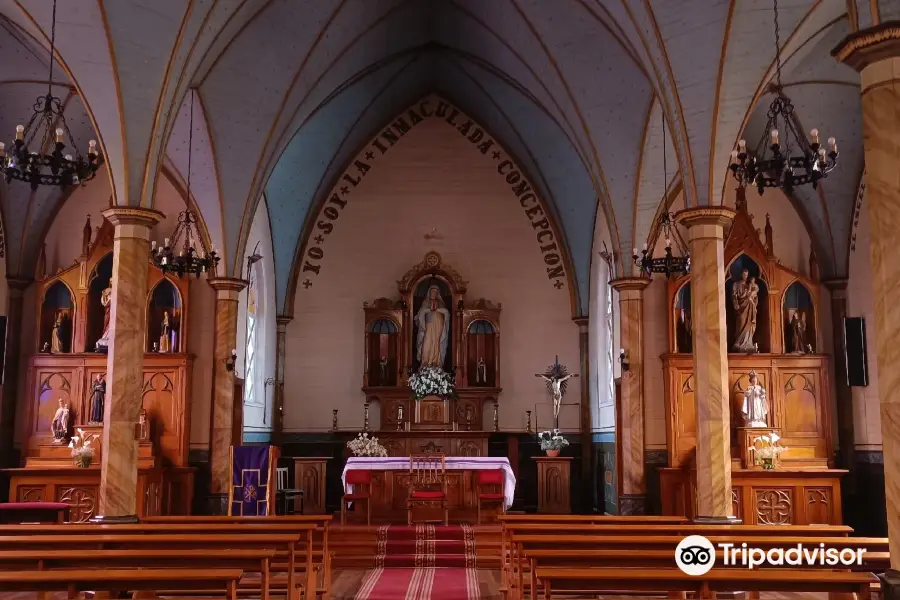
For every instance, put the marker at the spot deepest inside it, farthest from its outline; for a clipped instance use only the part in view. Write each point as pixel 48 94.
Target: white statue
pixel 755 409
pixel 433 320
pixel 105 302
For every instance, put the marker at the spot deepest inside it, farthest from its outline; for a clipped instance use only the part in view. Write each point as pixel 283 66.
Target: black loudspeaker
pixel 2 349
pixel 855 351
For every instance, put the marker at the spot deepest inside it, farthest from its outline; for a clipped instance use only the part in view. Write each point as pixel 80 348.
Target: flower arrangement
pixel 552 442
pixel 82 453
pixel 363 445
pixel 765 451
pixel 432 381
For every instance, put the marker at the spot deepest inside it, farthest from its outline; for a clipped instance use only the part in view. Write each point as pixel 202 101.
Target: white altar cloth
pixel 453 463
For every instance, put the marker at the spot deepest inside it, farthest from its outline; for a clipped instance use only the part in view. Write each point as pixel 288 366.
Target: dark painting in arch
pixel 418 298
pixel 734 274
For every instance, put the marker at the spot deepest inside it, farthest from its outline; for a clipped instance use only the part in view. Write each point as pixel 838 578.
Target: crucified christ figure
pixel 554 383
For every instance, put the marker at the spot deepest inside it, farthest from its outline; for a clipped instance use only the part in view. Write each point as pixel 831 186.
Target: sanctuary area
pixel 458 300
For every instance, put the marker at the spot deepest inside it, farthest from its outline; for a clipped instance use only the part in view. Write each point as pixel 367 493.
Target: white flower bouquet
pixel 552 440
pixel 363 445
pixel 765 450
pixel 432 381
pixel 82 453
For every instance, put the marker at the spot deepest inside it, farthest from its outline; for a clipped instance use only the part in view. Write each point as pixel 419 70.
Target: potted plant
pixel 765 451
pixel 363 445
pixel 552 442
pixel 82 452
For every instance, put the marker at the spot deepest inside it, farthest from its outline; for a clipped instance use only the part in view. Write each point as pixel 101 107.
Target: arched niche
pixel 684 335
pixel 445 297
pixel 100 279
pixel 481 353
pixel 382 339
pixel 799 319
pixel 164 317
pixel 57 316
pixel 734 275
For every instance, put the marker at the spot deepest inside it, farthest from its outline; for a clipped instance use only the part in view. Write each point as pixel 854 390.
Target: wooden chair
pixel 361 482
pixel 492 478
pixel 427 486
pixel 287 495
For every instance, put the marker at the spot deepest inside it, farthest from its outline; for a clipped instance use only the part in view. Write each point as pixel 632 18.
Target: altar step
pixel 396 546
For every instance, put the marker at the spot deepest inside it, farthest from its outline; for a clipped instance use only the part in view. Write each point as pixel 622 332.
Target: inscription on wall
pixel 432 108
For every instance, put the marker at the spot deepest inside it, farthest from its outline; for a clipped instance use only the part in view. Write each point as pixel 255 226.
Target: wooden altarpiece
pixel 65 369
pixel 455 427
pixel 797 378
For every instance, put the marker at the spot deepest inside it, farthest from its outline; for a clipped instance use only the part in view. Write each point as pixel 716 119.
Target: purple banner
pixel 250 469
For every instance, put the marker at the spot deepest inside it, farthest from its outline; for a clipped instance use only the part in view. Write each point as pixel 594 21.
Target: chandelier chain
pixel 777 47
pixel 52 50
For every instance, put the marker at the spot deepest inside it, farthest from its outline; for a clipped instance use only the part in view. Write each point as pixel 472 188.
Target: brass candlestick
pixel 400 418
pixel 496 417
pixel 468 418
pixel 366 416
pixel 334 425
pixel 527 421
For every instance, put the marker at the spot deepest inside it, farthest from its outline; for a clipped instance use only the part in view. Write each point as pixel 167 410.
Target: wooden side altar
pixel 65 370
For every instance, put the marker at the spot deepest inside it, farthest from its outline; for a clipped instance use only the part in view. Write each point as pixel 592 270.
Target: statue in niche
pixel 798 332
pixel 165 331
pixel 745 298
pixel 755 408
pixel 383 370
pixel 106 302
pixel 143 426
pixel 41 273
pixel 481 372
pixel 98 399
pixel 86 237
pixel 770 244
pixel 433 320
pixel 56 336
pixel 59 426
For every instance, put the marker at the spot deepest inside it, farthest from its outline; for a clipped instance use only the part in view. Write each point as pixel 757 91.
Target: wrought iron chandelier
pixel 192 258
pixel 792 159
pixel 668 264
pixel 37 153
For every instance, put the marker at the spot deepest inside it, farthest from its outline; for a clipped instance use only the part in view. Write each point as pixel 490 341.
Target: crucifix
pixel 556 377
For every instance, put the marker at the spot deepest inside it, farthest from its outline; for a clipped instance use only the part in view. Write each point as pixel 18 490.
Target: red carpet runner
pixel 423 562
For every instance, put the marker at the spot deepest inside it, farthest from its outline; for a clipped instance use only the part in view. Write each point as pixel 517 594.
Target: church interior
pixel 449 299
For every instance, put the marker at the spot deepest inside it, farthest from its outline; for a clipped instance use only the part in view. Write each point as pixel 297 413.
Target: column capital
pixel 18 284
pixel 227 288
pixel 623 284
pixel 837 286
pixel 139 217
pixel 705 215
pixel 283 320
pixel 869 46
pixel 582 322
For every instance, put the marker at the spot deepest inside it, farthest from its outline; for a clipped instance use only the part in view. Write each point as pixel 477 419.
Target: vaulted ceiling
pixel 288 90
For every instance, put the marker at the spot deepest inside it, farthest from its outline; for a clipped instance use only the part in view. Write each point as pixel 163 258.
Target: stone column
pixel 228 292
pixel 9 401
pixel 278 408
pixel 125 362
pixel 875 53
pixel 706 229
pixel 588 481
pixel 632 500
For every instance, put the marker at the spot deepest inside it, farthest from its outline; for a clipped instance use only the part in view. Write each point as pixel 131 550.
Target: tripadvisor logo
pixel 695 555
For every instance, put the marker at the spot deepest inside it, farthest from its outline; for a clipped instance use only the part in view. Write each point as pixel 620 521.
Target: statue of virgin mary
pixel 433 320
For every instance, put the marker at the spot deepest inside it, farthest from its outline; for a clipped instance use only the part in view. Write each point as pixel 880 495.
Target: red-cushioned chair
pixel 361 482
pixel 427 486
pixel 492 478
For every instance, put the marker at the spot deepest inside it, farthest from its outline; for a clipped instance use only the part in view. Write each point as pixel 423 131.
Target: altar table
pixel 390 483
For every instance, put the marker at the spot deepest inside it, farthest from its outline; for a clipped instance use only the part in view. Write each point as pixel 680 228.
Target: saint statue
pixel 383 369
pixel 86 237
pixel 143 426
pixel 481 372
pixel 106 302
pixel 433 320
pixel 98 398
pixel 60 423
pixel 165 330
pixel 56 337
pixel 798 332
pixel 745 298
pixel 755 408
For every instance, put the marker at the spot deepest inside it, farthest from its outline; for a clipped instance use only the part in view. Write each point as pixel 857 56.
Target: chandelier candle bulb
pixel 2 149
pixel 68 157
pixel 92 147
pixel 20 132
pixel 774 135
pixel 814 134
pixel 742 144
pixel 59 135
pixel 734 157
pixel 644 247
pixel 833 143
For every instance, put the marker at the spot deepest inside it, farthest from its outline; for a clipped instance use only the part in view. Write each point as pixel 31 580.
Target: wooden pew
pixel 237 529
pixel 44 560
pixel 102 540
pixel 597 581
pixel 113 580
pixel 286 522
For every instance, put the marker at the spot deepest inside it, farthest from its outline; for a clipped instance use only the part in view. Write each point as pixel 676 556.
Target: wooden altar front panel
pixel 798 389
pixel 554 473
pixel 779 497
pixel 309 476
pixel 450 443
pixel 160 491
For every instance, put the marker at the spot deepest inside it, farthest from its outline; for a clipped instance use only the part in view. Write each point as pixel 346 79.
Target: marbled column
pixel 713 456
pixel 843 395
pixel 588 469
pixel 228 292
pixel 11 369
pixel 278 408
pixel 125 361
pixel 632 499
pixel 875 53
